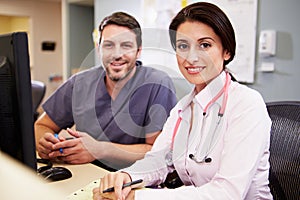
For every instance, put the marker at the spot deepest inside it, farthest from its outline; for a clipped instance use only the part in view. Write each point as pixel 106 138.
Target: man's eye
pixel 107 45
pixel 127 46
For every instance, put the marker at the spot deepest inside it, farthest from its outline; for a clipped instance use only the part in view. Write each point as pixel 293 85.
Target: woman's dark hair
pixel 210 15
pixel 122 19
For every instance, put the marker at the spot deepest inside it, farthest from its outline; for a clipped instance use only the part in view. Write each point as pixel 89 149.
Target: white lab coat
pixel 239 166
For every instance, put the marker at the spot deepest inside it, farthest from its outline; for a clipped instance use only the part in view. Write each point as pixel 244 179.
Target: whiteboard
pixel 242 14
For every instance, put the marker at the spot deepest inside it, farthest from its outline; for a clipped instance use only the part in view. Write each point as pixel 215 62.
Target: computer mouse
pixel 56 174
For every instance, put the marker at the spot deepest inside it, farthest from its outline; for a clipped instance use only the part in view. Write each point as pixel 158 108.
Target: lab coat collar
pixel 204 96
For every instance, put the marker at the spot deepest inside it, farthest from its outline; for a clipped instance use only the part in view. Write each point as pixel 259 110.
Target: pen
pixel 124 185
pixel 60 150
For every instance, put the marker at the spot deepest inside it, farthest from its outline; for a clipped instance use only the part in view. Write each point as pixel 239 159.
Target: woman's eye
pixel 182 46
pixel 204 45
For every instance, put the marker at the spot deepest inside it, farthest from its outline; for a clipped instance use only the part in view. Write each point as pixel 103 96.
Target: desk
pixel 20 182
pixel 82 175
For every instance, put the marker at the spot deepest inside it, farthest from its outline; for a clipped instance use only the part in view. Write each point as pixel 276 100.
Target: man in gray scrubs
pixel 118 108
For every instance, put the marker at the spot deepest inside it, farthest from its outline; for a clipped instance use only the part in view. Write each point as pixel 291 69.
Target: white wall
pixel 105 7
pixel 45 25
pixel 279 85
pixel 157 51
pixel 283 83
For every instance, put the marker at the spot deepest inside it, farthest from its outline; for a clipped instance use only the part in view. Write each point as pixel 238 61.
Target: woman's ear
pixel 226 55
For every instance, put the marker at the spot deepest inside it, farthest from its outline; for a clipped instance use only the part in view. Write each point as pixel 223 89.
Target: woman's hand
pixel 97 195
pixel 116 180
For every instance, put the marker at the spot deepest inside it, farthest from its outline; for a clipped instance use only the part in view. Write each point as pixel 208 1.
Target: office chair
pixel 284 175
pixel 38 92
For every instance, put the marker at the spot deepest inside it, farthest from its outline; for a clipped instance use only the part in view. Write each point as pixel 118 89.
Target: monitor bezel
pixel 14 47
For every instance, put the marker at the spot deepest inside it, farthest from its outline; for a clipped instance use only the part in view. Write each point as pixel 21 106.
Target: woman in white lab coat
pixel 217 136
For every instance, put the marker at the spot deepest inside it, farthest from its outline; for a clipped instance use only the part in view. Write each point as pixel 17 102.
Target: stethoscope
pixel 212 131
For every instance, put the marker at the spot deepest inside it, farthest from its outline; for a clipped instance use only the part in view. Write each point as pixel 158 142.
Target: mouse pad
pixel 86 193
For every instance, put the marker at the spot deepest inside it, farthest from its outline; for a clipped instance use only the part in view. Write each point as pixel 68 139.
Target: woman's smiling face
pixel 200 54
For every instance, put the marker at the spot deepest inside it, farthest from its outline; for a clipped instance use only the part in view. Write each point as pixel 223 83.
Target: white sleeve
pixel 182 193
pixel 152 168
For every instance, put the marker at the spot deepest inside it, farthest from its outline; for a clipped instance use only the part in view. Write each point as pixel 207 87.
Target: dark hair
pixel 122 19
pixel 210 15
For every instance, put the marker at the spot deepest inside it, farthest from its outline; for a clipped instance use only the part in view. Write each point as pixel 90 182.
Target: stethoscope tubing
pixel 221 112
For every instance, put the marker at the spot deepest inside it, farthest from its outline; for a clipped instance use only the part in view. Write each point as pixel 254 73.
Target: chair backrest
pixel 285 149
pixel 38 92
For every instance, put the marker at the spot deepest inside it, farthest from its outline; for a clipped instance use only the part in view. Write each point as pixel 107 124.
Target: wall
pixel 279 15
pixel 104 8
pixel 282 16
pixel 45 25
pixel 81 26
pixel 5 23
pixel 9 23
pixel 153 40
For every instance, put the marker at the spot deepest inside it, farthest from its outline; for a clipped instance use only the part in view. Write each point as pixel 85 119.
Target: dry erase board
pixel 242 14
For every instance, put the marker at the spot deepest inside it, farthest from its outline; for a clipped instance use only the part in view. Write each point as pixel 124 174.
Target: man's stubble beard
pixel 116 79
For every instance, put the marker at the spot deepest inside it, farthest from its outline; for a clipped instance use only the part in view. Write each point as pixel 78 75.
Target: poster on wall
pixel 242 14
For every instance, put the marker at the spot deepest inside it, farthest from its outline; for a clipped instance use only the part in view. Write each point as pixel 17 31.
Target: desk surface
pixel 33 187
pixel 82 175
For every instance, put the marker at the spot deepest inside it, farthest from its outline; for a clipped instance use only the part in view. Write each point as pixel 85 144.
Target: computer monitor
pixel 16 114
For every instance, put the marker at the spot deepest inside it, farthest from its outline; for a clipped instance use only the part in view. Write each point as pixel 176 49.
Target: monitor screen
pixel 16 114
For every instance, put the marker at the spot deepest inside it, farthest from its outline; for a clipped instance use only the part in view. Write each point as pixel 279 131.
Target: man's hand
pixel 45 144
pixel 78 150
